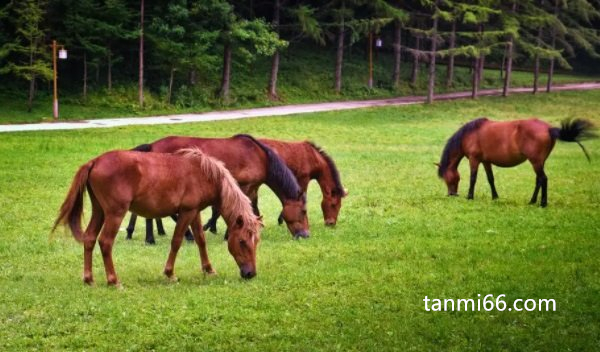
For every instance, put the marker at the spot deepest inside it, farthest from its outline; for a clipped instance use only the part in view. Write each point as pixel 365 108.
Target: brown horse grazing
pixel 251 163
pixel 156 185
pixel 308 162
pixel 507 144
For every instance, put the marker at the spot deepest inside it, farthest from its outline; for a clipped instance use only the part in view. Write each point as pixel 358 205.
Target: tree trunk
pixel 225 81
pixel 141 74
pixel 432 57
pixel 536 65
pixel 192 77
pixel 415 67
pixel 480 67
pixel 551 65
pixel 450 67
pixel 475 78
pixel 170 91
pixel 272 89
pixel 31 93
pixel 397 53
pixel 339 58
pixel 31 81
pixel 85 75
pixel 109 70
pixel 370 51
pixel 509 58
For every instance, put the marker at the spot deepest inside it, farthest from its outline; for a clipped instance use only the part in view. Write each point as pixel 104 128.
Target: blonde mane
pixel 234 202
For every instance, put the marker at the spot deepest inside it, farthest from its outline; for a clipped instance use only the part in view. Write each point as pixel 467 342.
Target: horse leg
pixel 131 225
pixel 106 240
pixel 490 178
pixel 159 227
pixel 149 232
pixel 188 233
pixel 474 164
pixel 89 240
pixel 183 221
pixel 201 242
pixel 211 225
pixel 541 182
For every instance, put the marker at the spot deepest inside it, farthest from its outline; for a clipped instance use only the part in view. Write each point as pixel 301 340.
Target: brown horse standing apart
pixel 251 163
pixel 507 144
pixel 157 185
pixel 308 162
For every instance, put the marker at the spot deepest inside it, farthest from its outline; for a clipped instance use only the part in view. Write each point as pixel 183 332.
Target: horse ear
pixel 239 221
pixel 260 221
pixel 437 164
pixel 345 193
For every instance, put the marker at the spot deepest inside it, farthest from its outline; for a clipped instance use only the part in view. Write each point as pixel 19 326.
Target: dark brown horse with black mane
pixel 507 144
pixel 251 163
pixel 308 162
pixel 155 185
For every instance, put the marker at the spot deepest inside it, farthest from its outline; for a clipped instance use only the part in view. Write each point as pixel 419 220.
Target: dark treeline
pixel 200 42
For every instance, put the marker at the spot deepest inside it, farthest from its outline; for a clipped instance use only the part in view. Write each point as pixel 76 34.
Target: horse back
pixel 509 143
pixel 299 157
pixel 150 184
pixel 246 161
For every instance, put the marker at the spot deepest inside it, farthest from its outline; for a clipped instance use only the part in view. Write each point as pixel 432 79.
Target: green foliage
pixel 27 49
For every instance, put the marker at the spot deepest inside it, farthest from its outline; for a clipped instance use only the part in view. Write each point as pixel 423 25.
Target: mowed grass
pixel 357 287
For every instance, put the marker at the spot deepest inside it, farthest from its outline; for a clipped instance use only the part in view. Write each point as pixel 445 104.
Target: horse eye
pixel 243 243
pixel 303 211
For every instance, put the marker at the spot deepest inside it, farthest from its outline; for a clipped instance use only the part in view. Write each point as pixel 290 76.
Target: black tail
pixel 279 177
pixel 574 130
pixel 143 148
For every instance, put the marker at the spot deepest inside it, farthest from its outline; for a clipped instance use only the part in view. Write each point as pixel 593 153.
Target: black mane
pixel 335 174
pixel 279 177
pixel 455 142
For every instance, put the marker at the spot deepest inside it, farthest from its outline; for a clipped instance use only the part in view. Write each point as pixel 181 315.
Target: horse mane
pixel 335 174
pixel 234 202
pixel 455 142
pixel 279 177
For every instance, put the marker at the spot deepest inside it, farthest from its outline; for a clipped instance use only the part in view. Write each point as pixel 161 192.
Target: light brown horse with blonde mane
pixel 156 185
pixel 507 144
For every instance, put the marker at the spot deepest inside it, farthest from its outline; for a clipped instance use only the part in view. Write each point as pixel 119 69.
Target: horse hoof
pixel 151 243
pixel 209 271
pixel 172 279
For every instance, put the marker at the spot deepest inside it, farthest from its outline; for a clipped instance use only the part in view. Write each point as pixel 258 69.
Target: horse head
pixel 295 216
pixel 331 205
pixel 243 239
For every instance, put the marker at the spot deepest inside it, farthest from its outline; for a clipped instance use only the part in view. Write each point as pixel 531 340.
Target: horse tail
pixel 72 208
pixel 574 130
pixel 143 148
pixel 279 176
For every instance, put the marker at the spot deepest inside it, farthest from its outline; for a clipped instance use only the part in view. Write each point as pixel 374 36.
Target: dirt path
pixel 270 111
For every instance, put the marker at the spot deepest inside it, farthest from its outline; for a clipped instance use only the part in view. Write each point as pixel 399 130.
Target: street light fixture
pixel 62 54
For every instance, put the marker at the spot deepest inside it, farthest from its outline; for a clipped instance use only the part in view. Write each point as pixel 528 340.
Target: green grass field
pixel 357 287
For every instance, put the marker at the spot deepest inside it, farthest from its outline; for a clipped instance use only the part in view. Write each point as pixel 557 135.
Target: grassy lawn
pixel 357 287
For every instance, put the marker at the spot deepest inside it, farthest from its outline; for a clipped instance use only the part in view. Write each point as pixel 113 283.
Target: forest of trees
pixel 185 41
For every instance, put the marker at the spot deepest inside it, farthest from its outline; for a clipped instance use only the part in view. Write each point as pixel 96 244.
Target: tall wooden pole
pixel 55 99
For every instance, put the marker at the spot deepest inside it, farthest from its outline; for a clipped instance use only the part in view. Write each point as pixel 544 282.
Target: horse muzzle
pixel 246 272
pixel 330 222
pixel 301 233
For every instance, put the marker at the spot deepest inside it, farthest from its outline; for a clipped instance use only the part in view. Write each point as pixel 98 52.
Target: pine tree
pixel 27 54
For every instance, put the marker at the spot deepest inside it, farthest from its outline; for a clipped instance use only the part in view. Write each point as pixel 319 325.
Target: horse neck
pixel 232 202
pixel 321 168
pixel 455 158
